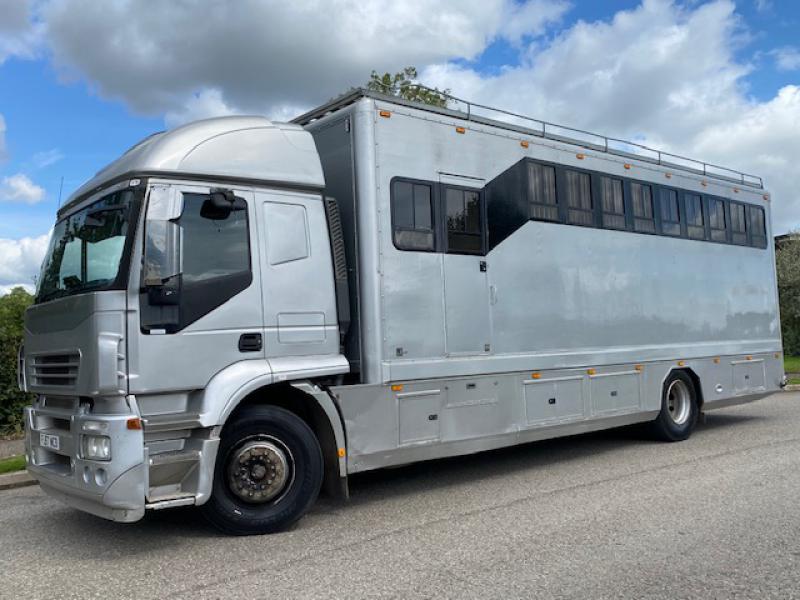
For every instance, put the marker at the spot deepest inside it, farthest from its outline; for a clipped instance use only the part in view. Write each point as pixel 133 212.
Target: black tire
pixel 296 443
pixel 678 416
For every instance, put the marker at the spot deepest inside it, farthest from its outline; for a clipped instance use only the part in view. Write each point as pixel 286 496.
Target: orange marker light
pixel 341 452
pixel 385 113
pixel 766 197
pixel 748 358
pixel 704 183
pixel 716 361
pixel 639 368
pixel 591 371
pixel 627 166
pixel 524 144
pixel 668 175
pixel 735 190
pixel 397 388
pixel 681 363
pixel 460 130
pixel 536 375
pixel 580 156
pixel 135 423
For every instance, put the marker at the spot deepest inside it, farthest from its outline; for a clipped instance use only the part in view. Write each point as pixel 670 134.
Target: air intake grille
pixel 56 370
pixel 337 239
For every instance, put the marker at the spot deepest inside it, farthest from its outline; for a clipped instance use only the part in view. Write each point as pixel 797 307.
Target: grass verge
pixel 791 364
pixel 11 464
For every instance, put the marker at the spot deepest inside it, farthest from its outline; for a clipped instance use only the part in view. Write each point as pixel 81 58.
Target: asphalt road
pixel 608 515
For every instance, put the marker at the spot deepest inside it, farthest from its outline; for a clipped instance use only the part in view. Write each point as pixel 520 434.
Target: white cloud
pixel 763 5
pixel 202 105
pixel 20 260
pixel 20 188
pixel 531 18
pixel 46 158
pixel 787 58
pixel 20 34
pixel 250 55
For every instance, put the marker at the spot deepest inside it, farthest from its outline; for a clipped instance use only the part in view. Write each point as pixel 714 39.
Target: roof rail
pixel 498 117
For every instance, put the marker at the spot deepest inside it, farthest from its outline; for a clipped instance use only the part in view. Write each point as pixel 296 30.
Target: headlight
pixel 96 447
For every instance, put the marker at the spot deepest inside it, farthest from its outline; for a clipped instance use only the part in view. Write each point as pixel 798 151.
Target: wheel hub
pixel 258 471
pixel 679 402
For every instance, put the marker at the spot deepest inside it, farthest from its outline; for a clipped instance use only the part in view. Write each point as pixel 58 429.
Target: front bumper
pixel 113 489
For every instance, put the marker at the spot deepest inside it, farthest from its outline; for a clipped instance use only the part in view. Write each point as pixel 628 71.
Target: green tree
pixel 403 85
pixel 12 314
pixel 787 262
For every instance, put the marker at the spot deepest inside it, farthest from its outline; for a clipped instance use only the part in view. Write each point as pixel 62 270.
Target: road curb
pixel 9 481
pixel 792 388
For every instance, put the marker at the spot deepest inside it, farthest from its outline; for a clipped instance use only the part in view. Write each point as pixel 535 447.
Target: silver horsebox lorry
pixel 236 313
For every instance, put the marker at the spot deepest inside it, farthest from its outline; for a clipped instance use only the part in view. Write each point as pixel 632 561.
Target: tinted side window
pixel 758 231
pixel 542 192
pixel 580 209
pixel 643 215
pixel 670 214
pixel 613 204
pixel 215 254
pixel 738 225
pixel 695 225
pixel 716 220
pixel 464 220
pixel 412 216
pixel 212 248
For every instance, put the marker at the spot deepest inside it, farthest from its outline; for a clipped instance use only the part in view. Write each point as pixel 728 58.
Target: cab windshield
pixel 86 248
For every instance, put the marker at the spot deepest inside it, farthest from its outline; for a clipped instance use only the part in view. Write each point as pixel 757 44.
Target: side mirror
pixel 219 205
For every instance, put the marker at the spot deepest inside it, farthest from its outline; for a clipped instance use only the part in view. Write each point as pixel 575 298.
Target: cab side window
pixel 216 256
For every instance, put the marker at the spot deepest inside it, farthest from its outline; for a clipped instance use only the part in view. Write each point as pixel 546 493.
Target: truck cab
pixel 186 279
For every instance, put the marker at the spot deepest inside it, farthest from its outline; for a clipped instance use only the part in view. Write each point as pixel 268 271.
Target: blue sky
pixel 78 87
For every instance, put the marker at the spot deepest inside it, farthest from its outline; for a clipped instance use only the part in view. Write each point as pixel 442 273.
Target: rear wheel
pixel 268 472
pixel 679 409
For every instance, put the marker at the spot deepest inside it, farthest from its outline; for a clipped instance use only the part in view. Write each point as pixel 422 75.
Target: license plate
pixel 49 441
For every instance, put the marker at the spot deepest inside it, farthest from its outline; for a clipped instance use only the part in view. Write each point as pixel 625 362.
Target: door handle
pixel 250 342
pixel 492 295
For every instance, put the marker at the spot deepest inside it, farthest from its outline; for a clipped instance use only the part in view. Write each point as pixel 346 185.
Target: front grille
pixel 55 370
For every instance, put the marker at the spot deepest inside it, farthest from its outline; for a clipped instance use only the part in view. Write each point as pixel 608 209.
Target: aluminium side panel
pixel 561 296
pixel 433 418
pixel 558 299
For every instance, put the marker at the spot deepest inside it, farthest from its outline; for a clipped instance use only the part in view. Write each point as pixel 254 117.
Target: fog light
pixel 96 447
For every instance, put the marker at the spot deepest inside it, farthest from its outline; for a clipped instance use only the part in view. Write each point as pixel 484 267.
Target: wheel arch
pixel 695 379
pixel 316 408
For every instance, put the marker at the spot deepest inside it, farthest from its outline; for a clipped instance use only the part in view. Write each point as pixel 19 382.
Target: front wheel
pixel 679 409
pixel 268 472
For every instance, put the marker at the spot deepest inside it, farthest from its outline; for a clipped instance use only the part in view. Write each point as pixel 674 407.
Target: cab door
pixel 192 324
pixel 465 269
